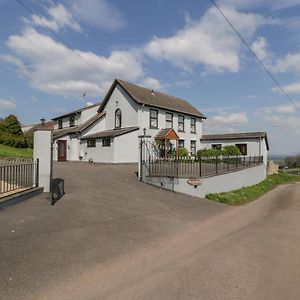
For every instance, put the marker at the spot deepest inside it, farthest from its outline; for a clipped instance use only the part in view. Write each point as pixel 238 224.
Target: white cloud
pixel 21 67
pixel 231 118
pixel 260 48
pixel 209 41
pixel 56 69
pixel 152 83
pixel 7 104
pixel 291 62
pixel 293 88
pixel 59 17
pixel 271 4
pixel 98 13
pixel 288 108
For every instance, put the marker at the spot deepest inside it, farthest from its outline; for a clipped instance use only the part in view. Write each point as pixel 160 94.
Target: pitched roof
pixel 235 136
pixel 78 129
pixel 110 133
pixel 76 111
pixel 167 133
pixel 153 98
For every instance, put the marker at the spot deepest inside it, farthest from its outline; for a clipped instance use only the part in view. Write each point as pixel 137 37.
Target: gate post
pixel 42 151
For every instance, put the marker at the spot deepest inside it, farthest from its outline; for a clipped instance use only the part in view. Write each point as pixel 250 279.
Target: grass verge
pixel 251 193
pixel 8 151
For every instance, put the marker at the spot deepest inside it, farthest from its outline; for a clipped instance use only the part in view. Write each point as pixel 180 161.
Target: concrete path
pixel 111 237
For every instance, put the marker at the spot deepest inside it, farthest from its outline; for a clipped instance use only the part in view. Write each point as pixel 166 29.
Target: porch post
pixel 166 141
pixel 176 149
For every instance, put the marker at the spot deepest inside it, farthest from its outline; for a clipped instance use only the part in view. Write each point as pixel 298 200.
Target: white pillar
pixel 42 151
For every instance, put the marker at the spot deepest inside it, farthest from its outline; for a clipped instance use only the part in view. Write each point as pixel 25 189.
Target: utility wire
pixel 30 11
pixel 255 56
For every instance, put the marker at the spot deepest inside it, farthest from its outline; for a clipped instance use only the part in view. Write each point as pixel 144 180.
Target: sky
pixel 60 51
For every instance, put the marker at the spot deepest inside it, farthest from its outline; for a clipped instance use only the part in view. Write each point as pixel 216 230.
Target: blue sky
pixel 184 48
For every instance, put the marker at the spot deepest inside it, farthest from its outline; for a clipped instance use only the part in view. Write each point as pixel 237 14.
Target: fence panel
pixel 201 167
pixel 17 175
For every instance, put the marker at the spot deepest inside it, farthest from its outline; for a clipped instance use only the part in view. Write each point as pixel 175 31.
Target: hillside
pixel 8 151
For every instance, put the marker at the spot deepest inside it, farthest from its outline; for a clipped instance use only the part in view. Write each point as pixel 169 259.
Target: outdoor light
pixel 43 121
pixel 144 131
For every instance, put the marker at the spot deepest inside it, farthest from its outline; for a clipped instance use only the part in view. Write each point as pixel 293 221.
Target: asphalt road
pixel 111 237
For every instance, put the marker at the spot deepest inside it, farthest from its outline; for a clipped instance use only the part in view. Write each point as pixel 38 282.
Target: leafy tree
pixel 292 161
pixel 12 125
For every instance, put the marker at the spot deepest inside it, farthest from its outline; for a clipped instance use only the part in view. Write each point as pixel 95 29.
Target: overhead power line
pixel 63 41
pixel 265 68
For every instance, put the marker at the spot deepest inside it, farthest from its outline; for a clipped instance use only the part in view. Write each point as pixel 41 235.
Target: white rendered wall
pixel 88 113
pixel 96 127
pixel 120 99
pixel 126 148
pixel 98 153
pixel 214 184
pixel 187 136
pixel 42 151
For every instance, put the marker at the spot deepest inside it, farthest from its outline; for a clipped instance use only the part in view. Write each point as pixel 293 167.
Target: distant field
pixel 8 151
pixel 292 171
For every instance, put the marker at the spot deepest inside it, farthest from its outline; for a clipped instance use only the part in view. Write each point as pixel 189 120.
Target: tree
pixel 12 125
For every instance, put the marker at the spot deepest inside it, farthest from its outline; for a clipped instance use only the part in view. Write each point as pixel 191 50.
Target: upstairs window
pixel 169 120
pixel 181 123
pixel 91 143
pixel 243 148
pixel 216 146
pixel 118 118
pixel 193 125
pixel 153 118
pixel 193 148
pixel 72 121
pixel 60 124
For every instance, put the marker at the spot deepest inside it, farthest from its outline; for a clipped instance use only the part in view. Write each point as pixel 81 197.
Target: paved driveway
pixel 106 213
pixel 112 237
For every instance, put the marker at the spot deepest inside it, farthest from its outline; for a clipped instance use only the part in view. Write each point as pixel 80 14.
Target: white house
pixel 249 143
pixel 108 132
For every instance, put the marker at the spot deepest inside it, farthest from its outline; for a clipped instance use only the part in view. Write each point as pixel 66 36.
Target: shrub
pixel 209 153
pixel 183 152
pixel 231 150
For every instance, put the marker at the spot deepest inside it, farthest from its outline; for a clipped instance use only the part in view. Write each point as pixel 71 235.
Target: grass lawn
pixel 8 151
pixel 251 193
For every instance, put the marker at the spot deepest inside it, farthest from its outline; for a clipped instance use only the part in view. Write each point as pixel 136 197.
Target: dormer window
pixel 72 121
pixel 118 118
pixel 60 124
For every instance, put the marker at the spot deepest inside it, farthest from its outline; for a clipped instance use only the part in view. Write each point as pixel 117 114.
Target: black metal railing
pixel 17 175
pixel 201 167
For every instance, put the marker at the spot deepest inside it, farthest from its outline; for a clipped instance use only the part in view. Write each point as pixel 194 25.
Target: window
pixel 118 118
pixel 193 148
pixel 91 143
pixel 169 120
pixel 216 146
pixel 243 148
pixel 72 121
pixel 180 123
pixel 60 124
pixel 106 142
pixel 193 125
pixel 181 143
pixel 153 118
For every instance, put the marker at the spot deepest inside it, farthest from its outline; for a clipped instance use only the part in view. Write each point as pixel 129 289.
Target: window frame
pixel 153 118
pixel 104 144
pixel 179 123
pixel 216 146
pixel 118 115
pixel 72 121
pixel 181 141
pixel 91 143
pixel 169 121
pixel 240 146
pixel 193 126
pixel 193 142
pixel 60 124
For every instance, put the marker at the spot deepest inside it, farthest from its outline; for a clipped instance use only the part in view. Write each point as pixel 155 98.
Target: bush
pixel 209 153
pixel 12 140
pixel 183 152
pixel 231 150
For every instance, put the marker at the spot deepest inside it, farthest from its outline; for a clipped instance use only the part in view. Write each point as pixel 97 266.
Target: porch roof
pixel 110 133
pixel 167 134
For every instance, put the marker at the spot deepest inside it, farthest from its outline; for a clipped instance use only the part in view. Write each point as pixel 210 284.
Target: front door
pixel 61 150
